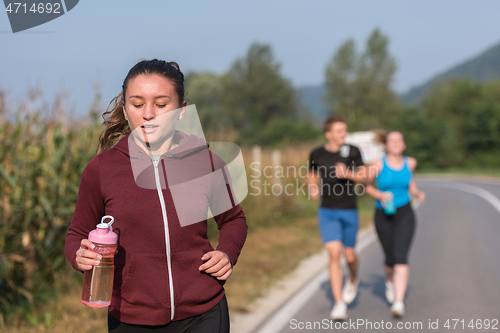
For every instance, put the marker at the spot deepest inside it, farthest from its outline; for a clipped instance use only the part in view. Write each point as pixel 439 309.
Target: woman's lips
pixel 148 129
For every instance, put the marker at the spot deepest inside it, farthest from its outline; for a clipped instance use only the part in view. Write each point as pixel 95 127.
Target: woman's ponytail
pixel 380 136
pixel 115 122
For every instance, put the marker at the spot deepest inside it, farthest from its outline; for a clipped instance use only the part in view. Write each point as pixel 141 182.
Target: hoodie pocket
pixel 148 284
pixel 190 284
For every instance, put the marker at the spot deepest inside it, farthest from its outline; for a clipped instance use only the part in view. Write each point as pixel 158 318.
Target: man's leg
pixel 352 263
pixel 331 234
pixel 350 225
pixel 334 249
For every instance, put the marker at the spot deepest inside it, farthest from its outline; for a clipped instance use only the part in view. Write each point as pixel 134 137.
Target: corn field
pixel 41 161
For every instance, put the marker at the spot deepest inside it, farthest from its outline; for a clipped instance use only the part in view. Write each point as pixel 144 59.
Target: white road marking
pixel 486 195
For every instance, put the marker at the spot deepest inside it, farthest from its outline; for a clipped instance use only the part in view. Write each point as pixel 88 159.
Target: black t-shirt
pixel 336 193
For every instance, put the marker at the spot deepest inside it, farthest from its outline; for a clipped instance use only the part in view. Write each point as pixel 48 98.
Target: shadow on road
pixel 377 285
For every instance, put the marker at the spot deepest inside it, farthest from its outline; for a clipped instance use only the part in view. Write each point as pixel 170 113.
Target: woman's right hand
pixel 383 197
pixel 85 258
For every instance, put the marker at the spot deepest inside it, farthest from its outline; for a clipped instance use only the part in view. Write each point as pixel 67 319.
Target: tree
pixel 340 81
pixel 359 85
pixel 471 112
pixel 205 91
pixel 254 93
pixel 424 138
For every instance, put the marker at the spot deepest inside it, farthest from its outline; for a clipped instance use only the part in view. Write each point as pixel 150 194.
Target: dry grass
pixel 66 314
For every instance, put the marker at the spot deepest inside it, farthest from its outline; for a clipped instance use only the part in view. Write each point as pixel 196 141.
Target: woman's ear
pixel 183 110
pixel 124 112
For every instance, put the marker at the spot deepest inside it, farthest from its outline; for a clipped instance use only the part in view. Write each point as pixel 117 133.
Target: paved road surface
pixel 454 262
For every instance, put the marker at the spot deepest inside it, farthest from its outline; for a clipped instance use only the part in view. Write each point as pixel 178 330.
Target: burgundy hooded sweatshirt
pixel 158 255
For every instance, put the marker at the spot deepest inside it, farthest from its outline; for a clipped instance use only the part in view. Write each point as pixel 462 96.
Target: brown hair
pixel 327 125
pixel 381 135
pixel 114 119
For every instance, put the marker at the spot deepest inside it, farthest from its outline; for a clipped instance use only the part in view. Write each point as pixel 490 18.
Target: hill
pixel 483 67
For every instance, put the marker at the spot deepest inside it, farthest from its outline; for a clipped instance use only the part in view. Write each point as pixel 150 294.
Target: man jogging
pixel 337 214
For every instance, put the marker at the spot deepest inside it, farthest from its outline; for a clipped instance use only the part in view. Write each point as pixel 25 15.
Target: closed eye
pixel 161 106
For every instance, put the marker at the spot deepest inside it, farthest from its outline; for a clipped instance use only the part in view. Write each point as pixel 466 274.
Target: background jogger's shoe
pixel 339 311
pixel 350 291
pixel 389 291
pixel 398 309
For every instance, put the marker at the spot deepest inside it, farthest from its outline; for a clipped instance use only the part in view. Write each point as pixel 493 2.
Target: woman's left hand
pixel 421 196
pixel 218 265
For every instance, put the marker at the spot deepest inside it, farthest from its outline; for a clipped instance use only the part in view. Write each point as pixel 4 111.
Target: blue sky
pixel 101 40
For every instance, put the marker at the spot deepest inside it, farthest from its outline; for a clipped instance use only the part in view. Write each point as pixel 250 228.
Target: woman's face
pixel 152 107
pixel 395 143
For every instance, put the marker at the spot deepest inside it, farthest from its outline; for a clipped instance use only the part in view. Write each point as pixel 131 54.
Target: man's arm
pixel 364 174
pixel 312 182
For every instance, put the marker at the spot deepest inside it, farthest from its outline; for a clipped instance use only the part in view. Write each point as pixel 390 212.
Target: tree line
pixel 455 126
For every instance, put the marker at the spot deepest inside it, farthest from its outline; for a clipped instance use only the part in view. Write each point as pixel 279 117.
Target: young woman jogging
pixel 395 225
pixel 167 275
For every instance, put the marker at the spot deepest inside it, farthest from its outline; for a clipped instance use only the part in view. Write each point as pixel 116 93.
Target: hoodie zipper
pixel 167 237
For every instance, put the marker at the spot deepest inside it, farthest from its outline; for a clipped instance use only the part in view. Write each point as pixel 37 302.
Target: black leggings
pixel 215 320
pixel 395 233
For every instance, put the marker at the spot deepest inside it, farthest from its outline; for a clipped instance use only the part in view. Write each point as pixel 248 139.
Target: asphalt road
pixel 455 271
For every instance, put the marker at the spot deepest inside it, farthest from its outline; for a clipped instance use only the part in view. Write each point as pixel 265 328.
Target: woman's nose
pixel 149 112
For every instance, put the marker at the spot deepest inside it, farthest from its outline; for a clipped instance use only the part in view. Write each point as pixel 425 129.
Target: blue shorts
pixel 338 225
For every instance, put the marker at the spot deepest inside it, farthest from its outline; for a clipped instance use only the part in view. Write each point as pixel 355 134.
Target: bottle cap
pixel 103 234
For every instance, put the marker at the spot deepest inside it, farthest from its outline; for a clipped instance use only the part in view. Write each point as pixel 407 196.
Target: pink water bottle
pixel 98 282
